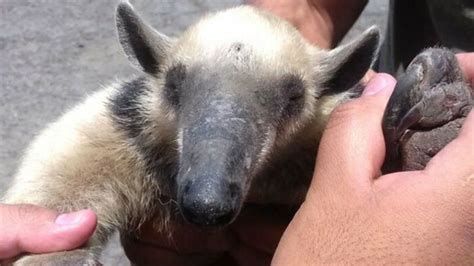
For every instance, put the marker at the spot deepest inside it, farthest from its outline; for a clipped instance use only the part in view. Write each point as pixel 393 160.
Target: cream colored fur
pixel 83 161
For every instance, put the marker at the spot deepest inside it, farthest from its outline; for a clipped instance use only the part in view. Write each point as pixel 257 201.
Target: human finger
pixel 33 229
pixel 352 147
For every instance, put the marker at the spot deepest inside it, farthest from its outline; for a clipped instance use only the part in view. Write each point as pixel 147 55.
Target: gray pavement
pixel 53 53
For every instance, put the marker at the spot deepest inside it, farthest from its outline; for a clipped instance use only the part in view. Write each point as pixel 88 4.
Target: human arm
pixel 322 22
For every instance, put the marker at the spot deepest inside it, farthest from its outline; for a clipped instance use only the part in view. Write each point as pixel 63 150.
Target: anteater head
pixel 238 82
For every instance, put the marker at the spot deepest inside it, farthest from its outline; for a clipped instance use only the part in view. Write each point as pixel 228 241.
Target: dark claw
pixel 398 105
pixel 430 94
pixel 412 117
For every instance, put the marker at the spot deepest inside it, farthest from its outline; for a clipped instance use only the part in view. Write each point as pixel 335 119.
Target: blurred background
pixel 53 53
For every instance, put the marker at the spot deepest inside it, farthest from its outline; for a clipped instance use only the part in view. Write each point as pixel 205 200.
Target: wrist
pixel 313 22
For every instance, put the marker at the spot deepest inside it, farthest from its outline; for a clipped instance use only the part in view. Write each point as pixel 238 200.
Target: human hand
pixel 32 229
pixel 354 215
pixel 250 240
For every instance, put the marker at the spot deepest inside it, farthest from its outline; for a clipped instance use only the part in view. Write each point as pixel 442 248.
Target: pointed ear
pixel 145 47
pixel 343 67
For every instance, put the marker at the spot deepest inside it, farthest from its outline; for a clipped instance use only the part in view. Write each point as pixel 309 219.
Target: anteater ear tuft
pixel 144 46
pixel 343 67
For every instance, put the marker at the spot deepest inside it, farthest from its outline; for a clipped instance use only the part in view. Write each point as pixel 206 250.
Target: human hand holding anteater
pixel 354 215
pixel 351 213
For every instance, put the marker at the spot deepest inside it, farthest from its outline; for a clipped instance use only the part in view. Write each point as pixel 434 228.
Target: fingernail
pixel 70 218
pixel 378 83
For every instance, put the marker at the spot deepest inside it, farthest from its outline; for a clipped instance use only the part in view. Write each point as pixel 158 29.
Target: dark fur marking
pixel 237 46
pixel 130 116
pixel 294 89
pixel 173 84
pixel 138 43
pixel 126 109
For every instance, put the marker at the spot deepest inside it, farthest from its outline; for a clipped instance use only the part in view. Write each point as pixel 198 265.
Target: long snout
pixel 212 181
pixel 217 154
pixel 220 142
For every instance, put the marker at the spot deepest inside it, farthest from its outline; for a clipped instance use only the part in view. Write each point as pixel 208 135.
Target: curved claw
pixel 431 93
pixel 398 105
pixel 412 117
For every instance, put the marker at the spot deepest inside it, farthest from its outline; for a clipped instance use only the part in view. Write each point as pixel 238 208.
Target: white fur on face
pixel 255 42
pixel 263 41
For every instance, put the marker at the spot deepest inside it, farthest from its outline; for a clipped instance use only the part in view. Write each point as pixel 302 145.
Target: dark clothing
pixel 414 25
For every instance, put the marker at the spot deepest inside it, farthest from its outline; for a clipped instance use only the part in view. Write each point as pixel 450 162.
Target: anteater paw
pixel 426 110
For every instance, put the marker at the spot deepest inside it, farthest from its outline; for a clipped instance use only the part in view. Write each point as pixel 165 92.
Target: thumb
pixel 352 146
pixel 466 62
pixel 33 229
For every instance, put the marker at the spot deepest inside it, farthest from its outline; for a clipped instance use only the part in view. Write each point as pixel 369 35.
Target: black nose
pixel 210 203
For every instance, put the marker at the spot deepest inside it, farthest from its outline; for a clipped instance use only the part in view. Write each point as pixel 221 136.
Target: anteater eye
pixel 294 91
pixel 173 84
